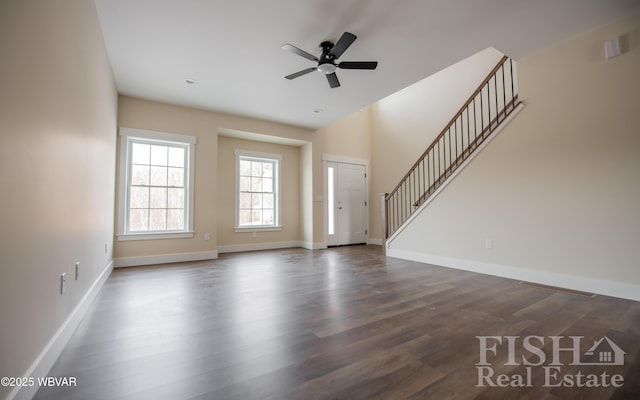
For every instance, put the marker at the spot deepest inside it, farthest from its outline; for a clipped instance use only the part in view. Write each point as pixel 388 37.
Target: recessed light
pixel 318 110
pixel 190 81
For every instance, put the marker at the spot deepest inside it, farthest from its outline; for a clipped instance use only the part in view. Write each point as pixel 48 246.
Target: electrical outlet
pixel 63 282
pixel 488 243
pixel 207 236
pixel 77 270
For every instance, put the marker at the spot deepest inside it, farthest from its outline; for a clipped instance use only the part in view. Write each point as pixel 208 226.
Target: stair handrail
pixel 448 126
pixel 391 223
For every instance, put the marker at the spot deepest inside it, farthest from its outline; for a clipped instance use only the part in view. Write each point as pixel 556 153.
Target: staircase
pixel 486 109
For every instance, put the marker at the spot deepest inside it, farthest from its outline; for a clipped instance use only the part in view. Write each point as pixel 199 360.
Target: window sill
pixel 154 236
pixel 239 229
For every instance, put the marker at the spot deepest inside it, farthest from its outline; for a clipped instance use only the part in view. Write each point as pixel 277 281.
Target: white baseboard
pixel 237 248
pixel 48 356
pixel 316 246
pixel 306 245
pixel 165 258
pixel 375 241
pixel 623 290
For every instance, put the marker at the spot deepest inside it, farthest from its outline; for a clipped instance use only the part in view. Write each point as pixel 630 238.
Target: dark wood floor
pixel 343 323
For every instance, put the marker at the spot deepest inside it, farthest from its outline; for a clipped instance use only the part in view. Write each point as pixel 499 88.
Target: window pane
pixel 176 157
pixel 256 184
pixel 139 175
pixel 138 220
pixel 267 200
pixel 245 184
pixel 245 217
pixel 256 217
pixel 158 176
pixel 267 185
pixel 158 198
pixel 256 168
pixel 175 219
pixel 140 153
pixel 176 177
pixel 175 198
pixel 158 220
pixel 159 155
pixel 245 168
pixel 245 200
pixel 330 207
pixel 139 197
pixel 267 170
pixel 256 200
pixel 267 217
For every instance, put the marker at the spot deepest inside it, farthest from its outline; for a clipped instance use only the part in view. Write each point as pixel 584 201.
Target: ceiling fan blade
pixel 300 52
pixel 358 65
pixel 300 73
pixel 333 80
pixel 343 44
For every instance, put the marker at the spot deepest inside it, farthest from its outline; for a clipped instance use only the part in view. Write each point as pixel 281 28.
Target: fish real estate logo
pixel 566 351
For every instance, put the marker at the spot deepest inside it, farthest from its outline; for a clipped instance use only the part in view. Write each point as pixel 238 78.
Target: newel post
pixel 385 229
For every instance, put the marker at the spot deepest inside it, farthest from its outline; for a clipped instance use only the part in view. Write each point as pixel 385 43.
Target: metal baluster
pixel 450 159
pixel 433 171
pixel 413 193
pixel 481 115
pixel 495 93
pixel 487 105
pixel 513 95
pixel 475 122
pixel 455 135
pixel 504 92
pixel 422 181
pixel 406 195
pixel 427 184
pixel 468 131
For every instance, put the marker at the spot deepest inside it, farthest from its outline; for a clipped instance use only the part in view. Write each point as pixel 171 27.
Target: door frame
pixel 329 158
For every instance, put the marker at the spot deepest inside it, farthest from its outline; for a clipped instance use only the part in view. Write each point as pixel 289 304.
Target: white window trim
pixel 259 155
pixel 125 134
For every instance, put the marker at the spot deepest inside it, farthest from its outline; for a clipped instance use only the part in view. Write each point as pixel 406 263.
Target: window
pixel 156 185
pixel 605 356
pixel 257 200
pixel 331 223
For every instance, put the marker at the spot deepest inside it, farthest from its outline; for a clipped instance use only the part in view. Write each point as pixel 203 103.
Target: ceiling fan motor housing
pixel 326 65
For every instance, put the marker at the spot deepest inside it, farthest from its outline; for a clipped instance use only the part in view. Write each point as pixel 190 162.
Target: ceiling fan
pixel 327 61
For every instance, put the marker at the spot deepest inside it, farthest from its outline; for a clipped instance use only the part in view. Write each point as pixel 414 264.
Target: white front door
pixel 347 204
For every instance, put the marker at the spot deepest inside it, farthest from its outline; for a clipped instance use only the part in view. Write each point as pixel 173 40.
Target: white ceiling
pixel 232 47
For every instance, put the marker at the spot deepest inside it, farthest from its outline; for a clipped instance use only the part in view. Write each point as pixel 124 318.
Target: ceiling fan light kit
pixel 327 61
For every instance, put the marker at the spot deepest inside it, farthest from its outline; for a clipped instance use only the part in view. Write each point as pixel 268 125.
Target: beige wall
pixel 558 190
pixel 58 134
pixel 349 138
pixel 204 125
pixel 290 198
pixel 405 123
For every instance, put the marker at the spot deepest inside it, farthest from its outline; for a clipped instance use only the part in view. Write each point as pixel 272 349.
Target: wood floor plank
pixel 341 323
